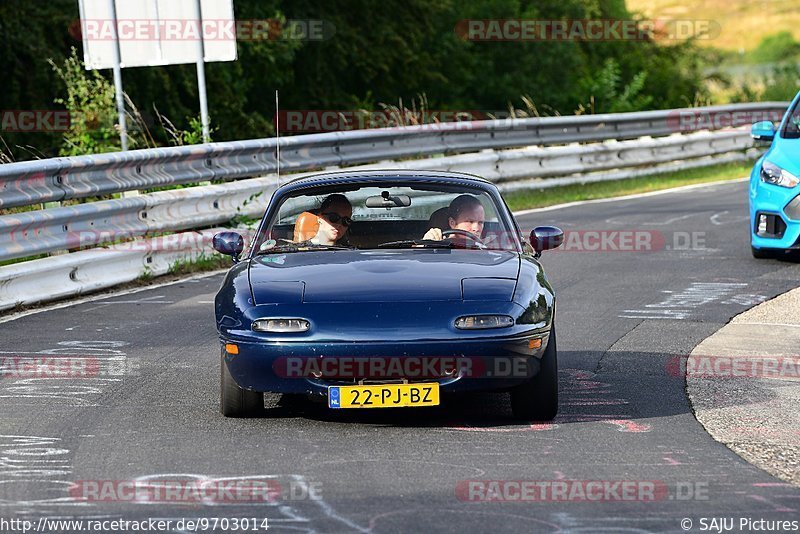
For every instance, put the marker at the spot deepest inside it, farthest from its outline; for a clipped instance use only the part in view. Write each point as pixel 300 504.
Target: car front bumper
pixel 471 365
pixel 781 203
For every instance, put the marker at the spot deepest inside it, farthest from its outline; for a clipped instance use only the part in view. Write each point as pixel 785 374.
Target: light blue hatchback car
pixel 775 187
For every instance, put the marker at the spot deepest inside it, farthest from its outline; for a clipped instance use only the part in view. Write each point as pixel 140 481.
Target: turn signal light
pixel 230 348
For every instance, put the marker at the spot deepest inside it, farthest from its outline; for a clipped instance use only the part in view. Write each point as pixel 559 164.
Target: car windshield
pixel 792 128
pixel 373 216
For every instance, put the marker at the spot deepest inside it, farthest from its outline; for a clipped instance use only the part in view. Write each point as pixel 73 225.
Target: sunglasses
pixel 335 218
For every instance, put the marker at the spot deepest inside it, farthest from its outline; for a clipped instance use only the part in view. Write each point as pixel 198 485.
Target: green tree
pixel 780 46
pixel 90 102
pixel 378 53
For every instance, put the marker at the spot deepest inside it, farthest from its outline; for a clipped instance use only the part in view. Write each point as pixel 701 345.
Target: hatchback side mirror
pixel 546 238
pixel 763 131
pixel 229 243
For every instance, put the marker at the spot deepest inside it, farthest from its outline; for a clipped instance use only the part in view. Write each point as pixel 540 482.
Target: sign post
pixel 120 34
pixel 201 75
pixel 123 120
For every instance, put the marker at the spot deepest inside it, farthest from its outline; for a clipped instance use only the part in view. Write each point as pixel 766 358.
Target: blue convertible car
pixel 774 189
pixel 387 289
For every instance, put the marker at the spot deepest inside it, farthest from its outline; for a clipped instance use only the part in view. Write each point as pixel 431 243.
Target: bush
pixel 780 83
pixel 91 105
pixel 609 94
pixel 773 48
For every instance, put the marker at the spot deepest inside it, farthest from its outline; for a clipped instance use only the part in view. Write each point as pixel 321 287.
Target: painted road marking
pixel 79 390
pixel 682 304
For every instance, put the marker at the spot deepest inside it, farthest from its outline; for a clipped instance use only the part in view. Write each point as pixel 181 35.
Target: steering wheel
pixel 463 233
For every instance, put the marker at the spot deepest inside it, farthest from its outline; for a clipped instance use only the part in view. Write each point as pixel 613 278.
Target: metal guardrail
pixel 504 166
pixel 84 225
pixel 633 144
pixel 91 270
pixel 59 179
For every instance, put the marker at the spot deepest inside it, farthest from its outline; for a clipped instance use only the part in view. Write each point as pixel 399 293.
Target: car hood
pixel 383 276
pixel 784 155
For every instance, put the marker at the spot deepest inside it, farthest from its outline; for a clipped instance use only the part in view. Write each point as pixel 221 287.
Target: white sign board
pixel 156 32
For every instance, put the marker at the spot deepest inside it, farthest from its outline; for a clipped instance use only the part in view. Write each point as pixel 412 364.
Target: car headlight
pixel 281 325
pixel 481 322
pixel 772 174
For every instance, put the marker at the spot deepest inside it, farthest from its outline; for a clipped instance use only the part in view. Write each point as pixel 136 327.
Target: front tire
pixel 236 401
pixel 537 399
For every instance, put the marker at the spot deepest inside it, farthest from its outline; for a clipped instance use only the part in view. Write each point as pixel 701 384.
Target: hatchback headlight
pixel 481 322
pixel 772 174
pixel 281 325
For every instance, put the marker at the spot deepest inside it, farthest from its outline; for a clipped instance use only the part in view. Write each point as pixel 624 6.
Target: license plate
pixel 383 396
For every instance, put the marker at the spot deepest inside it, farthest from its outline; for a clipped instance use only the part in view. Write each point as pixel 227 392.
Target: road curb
pixel 744 385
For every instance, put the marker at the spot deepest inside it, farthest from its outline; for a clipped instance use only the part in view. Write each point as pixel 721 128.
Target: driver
pixel 466 213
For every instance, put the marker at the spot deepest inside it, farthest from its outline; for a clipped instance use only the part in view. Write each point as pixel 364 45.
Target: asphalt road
pixel 149 412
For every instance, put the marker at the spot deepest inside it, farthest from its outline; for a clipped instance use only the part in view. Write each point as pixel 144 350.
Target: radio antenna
pixel 278 133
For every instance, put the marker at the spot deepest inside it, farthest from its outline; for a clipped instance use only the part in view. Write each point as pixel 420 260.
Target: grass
pixel 742 23
pixel 539 198
pixel 146 276
pixel 202 263
pixel 22 260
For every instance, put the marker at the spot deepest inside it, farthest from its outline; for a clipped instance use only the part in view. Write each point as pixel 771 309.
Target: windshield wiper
pixel 426 243
pixel 300 247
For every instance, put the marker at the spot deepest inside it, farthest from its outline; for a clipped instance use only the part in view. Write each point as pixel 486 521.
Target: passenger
pixel 334 218
pixel 465 213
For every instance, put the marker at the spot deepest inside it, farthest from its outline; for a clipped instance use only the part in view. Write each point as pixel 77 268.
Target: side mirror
pixel 546 238
pixel 229 243
pixel 763 131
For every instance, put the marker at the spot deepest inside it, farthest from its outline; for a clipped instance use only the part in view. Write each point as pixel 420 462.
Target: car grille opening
pixel 769 225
